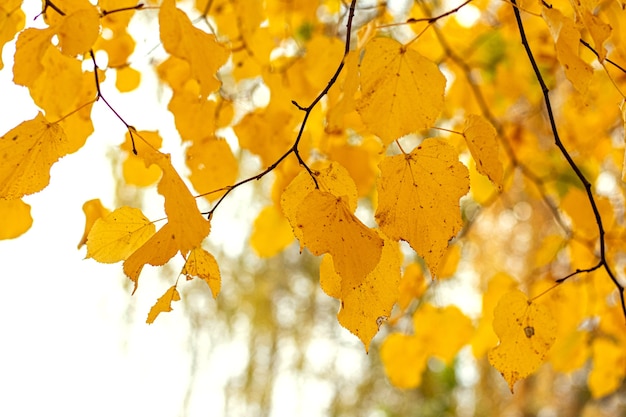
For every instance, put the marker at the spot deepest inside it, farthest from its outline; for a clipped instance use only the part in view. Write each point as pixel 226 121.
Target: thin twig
pixel 557 140
pixel 131 129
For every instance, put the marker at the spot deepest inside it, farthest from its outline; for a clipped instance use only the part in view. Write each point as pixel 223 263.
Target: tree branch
pixel 557 140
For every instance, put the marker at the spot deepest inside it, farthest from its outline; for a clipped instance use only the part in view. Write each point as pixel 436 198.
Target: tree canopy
pixel 409 146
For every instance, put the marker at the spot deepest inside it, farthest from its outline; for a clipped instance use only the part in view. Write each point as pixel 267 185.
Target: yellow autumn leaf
pixel 271 232
pixel 567 42
pixel 213 166
pixel 11 22
pixel 163 304
pixel 15 218
pixel 328 226
pixel 366 306
pixel 453 331
pixel 79 30
pixel 402 92
pixel 93 210
pixel 200 49
pixel 419 198
pixel 331 177
pixel 412 285
pixel 194 116
pixel 116 236
pixel 608 369
pixel 203 265
pixel 404 360
pixel 134 168
pixel 127 79
pixel 187 225
pixel 599 30
pixel 480 136
pixel 27 152
pixel 577 206
pixel 30 48
pixel 156 251
pixel 526 331
pixel 449 262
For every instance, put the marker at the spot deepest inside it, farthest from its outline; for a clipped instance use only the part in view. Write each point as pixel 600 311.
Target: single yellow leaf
pixel 213 166
pixel 365 307
pixel 163 304
pixel 11 22
pixel 30 48
pixel 116 236
pixel 79 30
pixel 526 331
pixel 481 140
pixel 412 285
pixel 404 360
pixel 418 198
pixel 567 43
pixel 202 264
pixel 156 251
pixel 271 232
pixel 194 116
pixel 576 205
pixel 127 79
pixel 331 177
pixel 402 92
pixel 328 226
pixel 608 369
pixel 449 262
pixel 93 210
pixel 27 152
pixel 15 218
pixel 187 225
pixel 200 49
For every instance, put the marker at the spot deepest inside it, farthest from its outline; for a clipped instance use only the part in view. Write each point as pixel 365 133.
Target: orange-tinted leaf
pixel 11 21
pixel 419 198
pixel 201 51
pixel 27 152
pixel 366 306
pixel 404 360
pixel 328 226
pixel 185 222
pixel 163 304
pixel 93 210
pixel 412 285
pixel 526 331
pixel 79 30
pixel 194 116
pixel 567 42
pixel 331 177
pixel 30 48
pixel 402 92
pixel 271 232
pixel 15 218
pixel 202 264
pixel 127 79
pixel 116 236
pixel 482 143
pixel 156 251
pixel 213 166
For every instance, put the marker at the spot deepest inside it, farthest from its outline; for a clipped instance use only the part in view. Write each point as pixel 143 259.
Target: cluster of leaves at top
pixel 365 84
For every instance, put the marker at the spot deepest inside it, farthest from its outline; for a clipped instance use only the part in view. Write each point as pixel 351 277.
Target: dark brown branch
pixel 131 129
pixel 431 20
pixel 139 6
pixel 557 140
pixel 307 111
pixel 598 56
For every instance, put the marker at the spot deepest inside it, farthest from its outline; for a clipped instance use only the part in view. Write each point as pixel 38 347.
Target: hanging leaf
pixel 526 331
